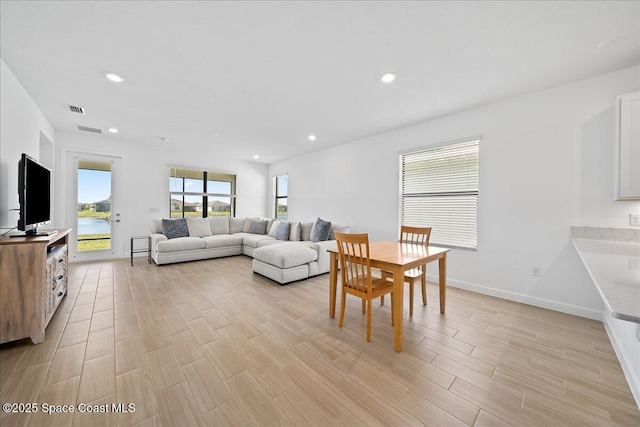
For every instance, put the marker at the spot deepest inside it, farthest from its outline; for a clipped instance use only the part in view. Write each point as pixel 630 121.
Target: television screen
pixel 34 194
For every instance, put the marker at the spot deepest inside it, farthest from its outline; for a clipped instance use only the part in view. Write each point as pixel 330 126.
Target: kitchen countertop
pixel 613 260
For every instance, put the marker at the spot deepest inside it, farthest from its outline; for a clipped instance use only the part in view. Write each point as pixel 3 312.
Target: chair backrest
pixel 355 261
pixel 415 235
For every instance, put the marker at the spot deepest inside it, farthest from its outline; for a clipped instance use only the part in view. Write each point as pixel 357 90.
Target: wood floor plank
pixel 208 388
pixel 177 407
pixel 98 378
pixel 301 410
pixel 254 400
pixel 428 413
pixel 135 387
pixel 164 368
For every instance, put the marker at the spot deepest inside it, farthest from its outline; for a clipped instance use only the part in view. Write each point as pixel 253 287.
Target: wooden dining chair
pixel 355 267
pixel 416 236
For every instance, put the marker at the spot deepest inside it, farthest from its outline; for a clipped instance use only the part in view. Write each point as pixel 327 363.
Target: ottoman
pixel 284 262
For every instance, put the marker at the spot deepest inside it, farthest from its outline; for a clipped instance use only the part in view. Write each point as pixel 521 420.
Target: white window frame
pixel 439 188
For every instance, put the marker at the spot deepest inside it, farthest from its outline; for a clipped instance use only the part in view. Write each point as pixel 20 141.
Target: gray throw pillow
pixel 321 231
pixel 258 226
pixel 173 228
pixel 283 231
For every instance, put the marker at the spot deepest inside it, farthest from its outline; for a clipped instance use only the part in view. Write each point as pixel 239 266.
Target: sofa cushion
pixel 180 244
pixel 305 230
pixel 236 225
pixel 219 224
pixel 294 231
pixel 339 228
pixel 321 230
pixel 283 230
pixel 247 224
pixel 285 255
pixel 253 240
pixel 174 228
pixel 198 227
pixel 273 230
pixel 258 226
pixel 222 240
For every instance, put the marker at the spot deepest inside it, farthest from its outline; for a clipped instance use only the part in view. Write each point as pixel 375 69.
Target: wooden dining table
pixel 396 258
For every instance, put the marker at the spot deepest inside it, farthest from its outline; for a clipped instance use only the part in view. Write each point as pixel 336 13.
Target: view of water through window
pixel 94 206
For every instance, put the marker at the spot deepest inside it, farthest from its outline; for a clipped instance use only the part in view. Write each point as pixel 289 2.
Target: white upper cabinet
pixel 627 156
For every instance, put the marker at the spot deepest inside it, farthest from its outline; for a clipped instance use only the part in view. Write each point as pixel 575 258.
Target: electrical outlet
pixel 634 219
pixel 536 271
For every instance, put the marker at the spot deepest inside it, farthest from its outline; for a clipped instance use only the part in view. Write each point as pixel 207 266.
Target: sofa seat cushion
pixel 180 244
pixel 253 240
pixel 285 255
pixel 222 240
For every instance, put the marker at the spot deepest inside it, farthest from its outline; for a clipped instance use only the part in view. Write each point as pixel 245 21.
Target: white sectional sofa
pixel 284 251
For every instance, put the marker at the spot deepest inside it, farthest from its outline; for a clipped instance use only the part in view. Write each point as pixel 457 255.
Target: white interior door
pixel 93 206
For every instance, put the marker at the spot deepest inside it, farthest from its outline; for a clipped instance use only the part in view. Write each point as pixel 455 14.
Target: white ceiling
pixel 266 74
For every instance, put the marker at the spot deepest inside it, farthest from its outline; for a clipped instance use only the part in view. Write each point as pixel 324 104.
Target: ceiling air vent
pixel 75 109
pixel 88 129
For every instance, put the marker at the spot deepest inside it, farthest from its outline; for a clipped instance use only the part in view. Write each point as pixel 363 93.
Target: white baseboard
pixel 525 299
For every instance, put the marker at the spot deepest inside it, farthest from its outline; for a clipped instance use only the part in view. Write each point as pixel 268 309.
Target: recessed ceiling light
pixel 215 134
pixel 256 157
pixel 388 77
pixel 114 77
pixel 113 130
pixel 312 137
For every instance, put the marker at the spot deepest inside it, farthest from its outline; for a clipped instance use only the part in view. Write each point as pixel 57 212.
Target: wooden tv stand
pixel 33 281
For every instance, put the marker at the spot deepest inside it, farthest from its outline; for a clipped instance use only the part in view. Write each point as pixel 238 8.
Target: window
pixel 201 193
pixel 280 184
pixel 439 189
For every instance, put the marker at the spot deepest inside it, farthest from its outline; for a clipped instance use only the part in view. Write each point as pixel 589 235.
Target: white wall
pixel 546 163
pixel 23 129
pixel 145 175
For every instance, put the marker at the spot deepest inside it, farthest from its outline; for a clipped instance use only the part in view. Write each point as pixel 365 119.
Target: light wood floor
pixel 210 343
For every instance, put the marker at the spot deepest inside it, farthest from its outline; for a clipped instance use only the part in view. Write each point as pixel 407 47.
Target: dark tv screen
pixel 34 194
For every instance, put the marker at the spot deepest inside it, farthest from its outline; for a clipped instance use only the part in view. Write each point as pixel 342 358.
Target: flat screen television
pixel 34 195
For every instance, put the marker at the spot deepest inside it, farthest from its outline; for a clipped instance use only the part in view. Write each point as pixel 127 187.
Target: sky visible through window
pixel 93 186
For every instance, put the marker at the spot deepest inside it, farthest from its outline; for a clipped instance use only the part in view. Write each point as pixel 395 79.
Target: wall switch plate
pixel 634 219
pixel 536 271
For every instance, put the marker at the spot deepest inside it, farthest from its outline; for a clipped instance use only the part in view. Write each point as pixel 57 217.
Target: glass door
pixel 94 217
pixel 92 207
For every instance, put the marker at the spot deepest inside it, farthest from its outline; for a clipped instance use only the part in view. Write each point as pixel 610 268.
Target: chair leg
pixel 392 324
pixel 424 286
pixel 411 298
pixel 384 276
pixel 368 320
pixel 364 307
pixel 342 304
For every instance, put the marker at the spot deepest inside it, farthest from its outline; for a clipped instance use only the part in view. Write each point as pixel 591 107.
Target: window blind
pixel 439 189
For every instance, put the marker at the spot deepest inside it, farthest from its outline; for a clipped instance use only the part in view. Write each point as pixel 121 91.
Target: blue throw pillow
pixel 321 231
pixel 283 231
pixel 173 228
